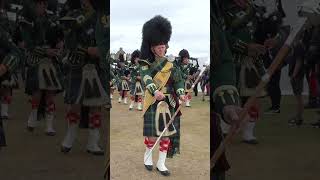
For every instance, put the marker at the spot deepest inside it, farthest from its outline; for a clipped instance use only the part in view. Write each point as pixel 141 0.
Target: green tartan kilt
pixel 149 123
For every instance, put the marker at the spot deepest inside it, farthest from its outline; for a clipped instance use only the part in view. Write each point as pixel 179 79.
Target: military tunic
pixel 172 90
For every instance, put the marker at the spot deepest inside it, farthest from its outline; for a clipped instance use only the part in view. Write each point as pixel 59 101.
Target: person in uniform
pixel 102 49
pixel 240 24
pixel 86 84
pixel 124 80
pixel 224 97
pixel 136 90
pixel 271 33
pixel 12 81
pixel 43 76
pixel 113 81
pixel 10 57
pixel 164 87
pixel 185 68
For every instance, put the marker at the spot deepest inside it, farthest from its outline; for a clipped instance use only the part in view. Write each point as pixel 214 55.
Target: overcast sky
pixel 189 19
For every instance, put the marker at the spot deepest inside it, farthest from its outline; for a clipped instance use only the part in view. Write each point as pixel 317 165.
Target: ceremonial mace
pixel 283 52
pixel 175 114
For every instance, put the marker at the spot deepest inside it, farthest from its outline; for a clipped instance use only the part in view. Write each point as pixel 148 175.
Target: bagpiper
pixel 12 81
pixel 224 92
pixel 86 82
pixel 43 76
pixel 102 36
pixel 113 81
pixel 10 57
pixel 185 68
pixel 124 80
pixel 240 23
pixel 164 87
pixel 136 90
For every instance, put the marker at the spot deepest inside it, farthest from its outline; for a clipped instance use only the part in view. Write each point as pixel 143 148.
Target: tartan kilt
pixel 73 85
pixel 119 86
pixel 103 75
pixel 32 79
pixel 133 89
pixel 10 82
pixel 149 124
pixel 125 85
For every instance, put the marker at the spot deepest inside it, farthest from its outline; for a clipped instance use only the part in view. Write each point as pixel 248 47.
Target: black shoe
pixel 251 142
pixel 4 117
pixel 164 173
pixel 316 124
pixel 96 153
pixel 65 149
pixel 149 167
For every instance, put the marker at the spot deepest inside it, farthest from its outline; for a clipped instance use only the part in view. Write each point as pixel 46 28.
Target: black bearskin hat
pixel 184 53
pixel 156 31
pixel 134 55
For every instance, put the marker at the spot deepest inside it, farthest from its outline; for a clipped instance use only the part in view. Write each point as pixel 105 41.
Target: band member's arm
pixel 146 77
pixel 178 82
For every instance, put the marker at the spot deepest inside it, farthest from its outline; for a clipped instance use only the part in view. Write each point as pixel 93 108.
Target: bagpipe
pixel 193 64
